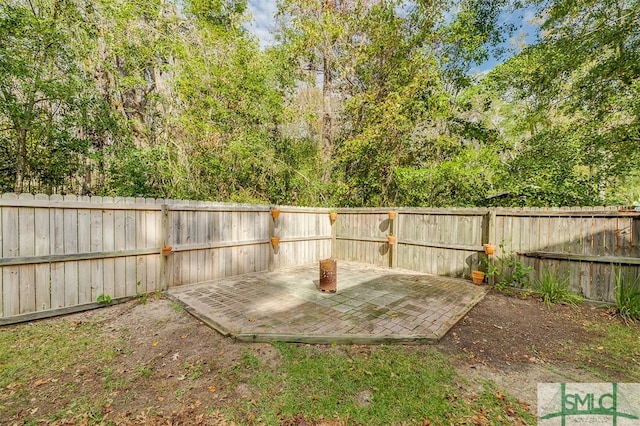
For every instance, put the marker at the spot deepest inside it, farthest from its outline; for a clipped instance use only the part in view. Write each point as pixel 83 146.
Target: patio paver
pixel 372 305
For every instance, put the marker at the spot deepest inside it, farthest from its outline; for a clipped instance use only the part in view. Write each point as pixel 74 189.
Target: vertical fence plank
pixel 10 248
pixel 26 247
pixel 42 248
pixel 119 239
pixel 130 269
pixel 70 247
pixel 153 222
pixel 141 243
pixel 97 266
pixel 56 227
pixel 84 246
pixel 108 243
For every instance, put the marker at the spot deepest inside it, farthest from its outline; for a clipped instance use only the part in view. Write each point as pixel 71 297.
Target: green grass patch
pixel 379 385
pixel 41 354
pixel 616 357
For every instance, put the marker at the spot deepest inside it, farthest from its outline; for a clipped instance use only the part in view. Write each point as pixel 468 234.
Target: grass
pixel 617 357
pixel 37 354
pixel 378 385
pixel 554 289
pixel 627 296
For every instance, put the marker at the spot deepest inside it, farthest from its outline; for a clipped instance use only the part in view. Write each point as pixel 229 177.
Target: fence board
pixel 84 266
pixel 42 248
pixel 10 248
pixel 26 245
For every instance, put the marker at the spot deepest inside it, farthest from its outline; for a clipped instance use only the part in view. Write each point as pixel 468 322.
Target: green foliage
pixel 508 270
pixel 554 289
pixel 104 299
pixel 571 102
pixel 627 295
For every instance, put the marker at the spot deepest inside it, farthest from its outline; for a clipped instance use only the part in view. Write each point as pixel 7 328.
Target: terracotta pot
pixel 489 248
pixel 275 241
pixel 333 216
pixel 477 277
pixel 392 215
pixel 391 239
pixel 275 213
pixel 167 250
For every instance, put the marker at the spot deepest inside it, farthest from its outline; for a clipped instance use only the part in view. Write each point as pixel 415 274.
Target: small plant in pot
pixel 333 214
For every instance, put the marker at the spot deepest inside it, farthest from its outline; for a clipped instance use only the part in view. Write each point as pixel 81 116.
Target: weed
pixel 179 393
pixel 141 295
pixel 178 307
pixel 195 370
pixel 104 299
pixel 143 371
pixel 627 296
pixel 553 289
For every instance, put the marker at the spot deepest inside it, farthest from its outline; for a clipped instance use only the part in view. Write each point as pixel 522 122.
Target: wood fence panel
pixel 442 242
pixel 361 236
pixel 305 237
pixel 63 252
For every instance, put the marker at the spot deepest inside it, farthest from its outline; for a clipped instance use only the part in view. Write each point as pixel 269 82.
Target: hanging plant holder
pixel 391 239
pixel 392 215
pixel 275 213
pixel 167 250
pixel 489 248
pixel 333 216
pixel 275 241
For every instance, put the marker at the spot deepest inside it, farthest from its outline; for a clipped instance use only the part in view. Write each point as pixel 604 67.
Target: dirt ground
pixel 515 342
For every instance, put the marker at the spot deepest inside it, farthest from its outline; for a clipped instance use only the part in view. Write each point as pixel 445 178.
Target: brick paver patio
pixel 372 305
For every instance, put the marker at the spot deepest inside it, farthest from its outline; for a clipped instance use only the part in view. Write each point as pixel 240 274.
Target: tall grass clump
pixel 627 296
pixel 554 289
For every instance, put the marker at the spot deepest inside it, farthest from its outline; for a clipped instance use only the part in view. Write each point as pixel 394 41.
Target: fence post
pixel 488 237
pixel 392 247
pixel 164 235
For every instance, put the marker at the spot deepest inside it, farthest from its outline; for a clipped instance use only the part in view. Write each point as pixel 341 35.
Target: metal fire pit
pixel 328 275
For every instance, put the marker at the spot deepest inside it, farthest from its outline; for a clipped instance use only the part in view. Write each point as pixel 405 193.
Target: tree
pixel 49 114
pixel 578 88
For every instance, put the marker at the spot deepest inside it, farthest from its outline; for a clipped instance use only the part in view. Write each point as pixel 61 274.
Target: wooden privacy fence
pixel 590 246
pixel 58 254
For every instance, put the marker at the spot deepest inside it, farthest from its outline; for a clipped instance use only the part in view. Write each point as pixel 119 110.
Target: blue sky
pixel 262 12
